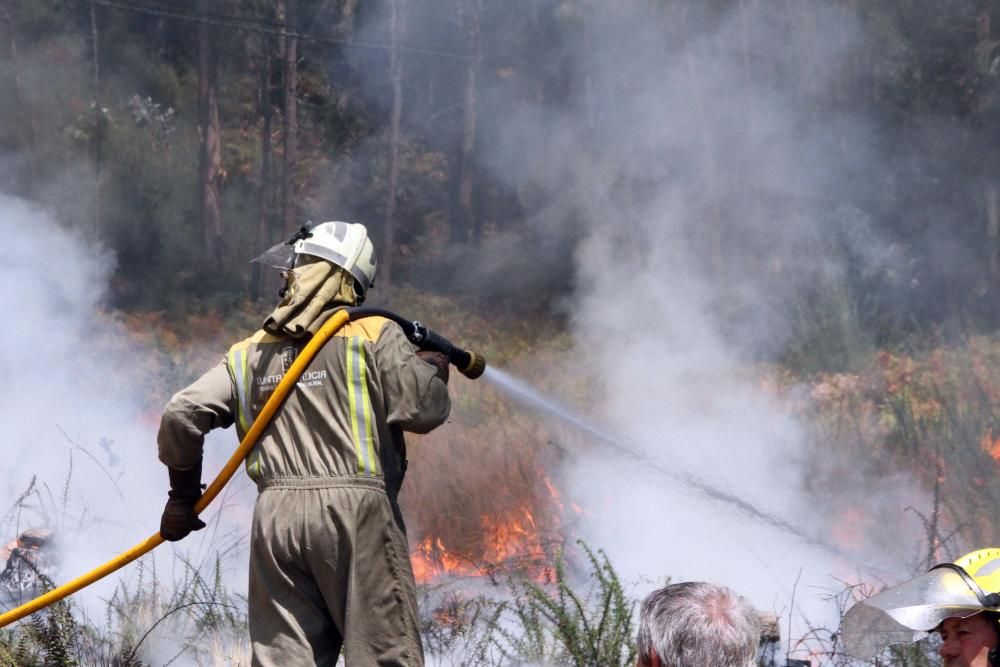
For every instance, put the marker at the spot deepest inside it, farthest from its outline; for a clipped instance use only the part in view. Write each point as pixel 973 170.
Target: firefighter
pixel 960 601
pixel 329 562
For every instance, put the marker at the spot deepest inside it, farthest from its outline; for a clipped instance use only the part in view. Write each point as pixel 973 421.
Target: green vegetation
pixel 102 128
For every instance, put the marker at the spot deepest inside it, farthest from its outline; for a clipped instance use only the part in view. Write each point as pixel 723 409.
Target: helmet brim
pixel 906 613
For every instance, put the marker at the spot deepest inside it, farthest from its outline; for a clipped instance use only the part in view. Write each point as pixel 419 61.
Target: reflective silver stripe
pixel 360 406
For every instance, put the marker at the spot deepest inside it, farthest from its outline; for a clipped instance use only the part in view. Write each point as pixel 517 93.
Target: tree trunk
pixel 25 119
pixel 396 75
pixel 464 217
pixel 347 13
pixel 210 148
pixel 290 120
pixel 98 121
pixel 984 34
pixel 710 231
pixel 262 235
pixel 993 231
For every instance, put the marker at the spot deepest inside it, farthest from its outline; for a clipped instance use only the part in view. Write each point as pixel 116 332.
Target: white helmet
pixel 345 244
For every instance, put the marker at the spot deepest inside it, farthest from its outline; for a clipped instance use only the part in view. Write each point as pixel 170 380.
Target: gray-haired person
pixel 696 624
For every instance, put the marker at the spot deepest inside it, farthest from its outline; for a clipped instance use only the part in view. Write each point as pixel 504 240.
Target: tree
pixel 396 77
pixel 98 119
pixel 262 234
pixel 210 146
pixel 287 13
pixel 26 119
pixel 464 216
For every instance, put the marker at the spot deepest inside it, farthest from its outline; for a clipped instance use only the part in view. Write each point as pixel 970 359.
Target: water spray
pixel 530 396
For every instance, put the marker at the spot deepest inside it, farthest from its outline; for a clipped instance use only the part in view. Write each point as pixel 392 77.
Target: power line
pixel 265 26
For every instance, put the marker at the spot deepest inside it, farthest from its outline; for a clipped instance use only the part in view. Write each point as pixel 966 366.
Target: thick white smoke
pixel 715 177
pixel 73 394
pixel 701 207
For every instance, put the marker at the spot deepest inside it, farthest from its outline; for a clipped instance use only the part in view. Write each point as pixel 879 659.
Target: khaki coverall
pixel 329 562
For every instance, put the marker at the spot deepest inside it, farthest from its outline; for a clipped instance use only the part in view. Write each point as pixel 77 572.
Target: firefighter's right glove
pixel 179 518
pixel 438 360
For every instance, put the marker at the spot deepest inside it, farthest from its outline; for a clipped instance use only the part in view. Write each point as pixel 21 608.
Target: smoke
pixel 76 420
pixel 720 189
pixel 706 204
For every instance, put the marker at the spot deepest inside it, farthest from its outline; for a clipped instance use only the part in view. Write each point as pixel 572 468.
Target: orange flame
pixel 991 445
pixel 518 538
pixel 553 491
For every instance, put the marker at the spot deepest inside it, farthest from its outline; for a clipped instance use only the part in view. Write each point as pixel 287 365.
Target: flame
pixel 991 445
pixel 507 540
pixel 517 538
pixel 431 559
pixel 553 491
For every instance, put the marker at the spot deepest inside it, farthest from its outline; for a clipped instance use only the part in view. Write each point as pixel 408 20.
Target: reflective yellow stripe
pixel 237 361
pixel 360 406
pixel 253 463
pixel 366 408
pixel 238 365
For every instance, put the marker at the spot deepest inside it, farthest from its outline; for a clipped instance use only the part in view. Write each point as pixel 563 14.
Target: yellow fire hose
pixel 249 440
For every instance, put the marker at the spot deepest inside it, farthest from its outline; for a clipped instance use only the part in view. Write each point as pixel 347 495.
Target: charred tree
pixel 290 123
pixel 210 146
pixel 396 76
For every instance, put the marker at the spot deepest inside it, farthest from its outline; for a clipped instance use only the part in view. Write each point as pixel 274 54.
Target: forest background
pixel 751 231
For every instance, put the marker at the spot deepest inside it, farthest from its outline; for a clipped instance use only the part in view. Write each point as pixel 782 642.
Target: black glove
pixel 437 359
pixel 179 518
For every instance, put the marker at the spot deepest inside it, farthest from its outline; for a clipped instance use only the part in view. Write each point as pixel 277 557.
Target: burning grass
pixel 477 508
pixel 490 524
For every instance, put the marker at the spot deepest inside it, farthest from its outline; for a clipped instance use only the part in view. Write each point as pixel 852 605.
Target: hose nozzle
pixel 476 366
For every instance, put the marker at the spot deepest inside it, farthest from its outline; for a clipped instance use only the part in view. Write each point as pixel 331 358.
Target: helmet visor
pixel 906 613
pixel 280 256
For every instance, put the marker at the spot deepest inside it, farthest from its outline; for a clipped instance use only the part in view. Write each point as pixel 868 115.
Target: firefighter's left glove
pixel 179 517
pixel 439 360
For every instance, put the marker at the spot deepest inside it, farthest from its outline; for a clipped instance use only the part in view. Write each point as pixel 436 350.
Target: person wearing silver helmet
pixel 960 601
